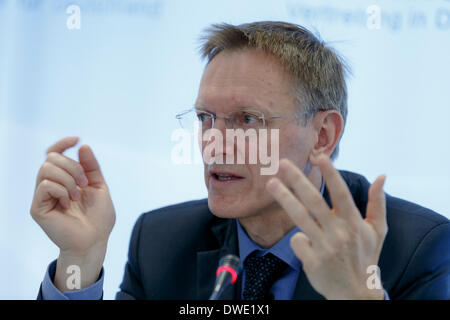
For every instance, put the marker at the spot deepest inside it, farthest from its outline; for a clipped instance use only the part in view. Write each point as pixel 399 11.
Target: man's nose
pixel 222 124
pixel 228 143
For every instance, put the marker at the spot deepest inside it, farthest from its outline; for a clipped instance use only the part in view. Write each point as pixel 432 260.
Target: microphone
pixel 226 274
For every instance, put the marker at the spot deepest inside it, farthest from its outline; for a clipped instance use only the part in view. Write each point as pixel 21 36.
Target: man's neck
pixel 272 223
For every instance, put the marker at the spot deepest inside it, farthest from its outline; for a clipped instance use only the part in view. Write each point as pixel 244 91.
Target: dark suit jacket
pixel 174 251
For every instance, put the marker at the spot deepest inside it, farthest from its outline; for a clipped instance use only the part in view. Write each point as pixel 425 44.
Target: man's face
pixel 249 79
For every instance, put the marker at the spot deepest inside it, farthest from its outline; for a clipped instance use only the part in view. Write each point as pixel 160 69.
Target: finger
pixel 305 191
pixel 90 166
pixel 302 247
pixel 63 144
pixel 294 208
pixel 376 206
pixel 71 166
pixel 48 190
pixel 53 173
pixel 340 195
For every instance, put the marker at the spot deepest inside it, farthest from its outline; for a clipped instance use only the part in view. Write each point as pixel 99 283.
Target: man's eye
pixel 248 118
pixel 203 117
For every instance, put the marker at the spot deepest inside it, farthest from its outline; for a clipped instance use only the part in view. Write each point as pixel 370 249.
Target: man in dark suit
pixel 303 231
pixel 414 260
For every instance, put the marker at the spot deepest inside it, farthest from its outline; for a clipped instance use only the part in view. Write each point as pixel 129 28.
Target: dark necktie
pixel 260 275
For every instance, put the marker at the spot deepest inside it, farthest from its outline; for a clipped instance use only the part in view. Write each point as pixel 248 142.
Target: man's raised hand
pixel 73 206
pixel 336 245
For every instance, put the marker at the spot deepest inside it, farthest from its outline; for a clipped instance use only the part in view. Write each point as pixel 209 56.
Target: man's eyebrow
pixel 241 107
pixel 199 106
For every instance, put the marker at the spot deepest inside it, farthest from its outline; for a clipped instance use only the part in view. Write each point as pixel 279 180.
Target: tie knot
pixel 260 274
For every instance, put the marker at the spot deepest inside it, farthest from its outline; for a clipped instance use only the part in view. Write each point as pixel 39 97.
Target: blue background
pixel 118 81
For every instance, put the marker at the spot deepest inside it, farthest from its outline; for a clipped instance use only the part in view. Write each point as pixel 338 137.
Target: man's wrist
pixel 361 293
pixel 75 272
pixel 50 292
pixel 372 294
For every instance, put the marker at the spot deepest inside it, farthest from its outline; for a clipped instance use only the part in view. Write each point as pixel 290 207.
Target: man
pixel 308 232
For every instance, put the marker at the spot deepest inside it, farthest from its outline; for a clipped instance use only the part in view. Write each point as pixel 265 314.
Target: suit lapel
pixel 207 261
pixel 206 267
pixel 304 290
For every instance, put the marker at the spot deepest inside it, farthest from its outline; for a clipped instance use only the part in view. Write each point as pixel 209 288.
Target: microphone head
pixel 229 263
pixel 229 266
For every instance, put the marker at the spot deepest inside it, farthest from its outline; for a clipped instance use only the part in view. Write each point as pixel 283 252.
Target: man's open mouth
pixel 225 177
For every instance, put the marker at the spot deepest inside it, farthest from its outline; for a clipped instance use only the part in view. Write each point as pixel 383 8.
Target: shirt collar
pixel 282 249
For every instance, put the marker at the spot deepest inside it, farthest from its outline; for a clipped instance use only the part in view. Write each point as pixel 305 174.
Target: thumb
pixel 90 166
pixel 376 207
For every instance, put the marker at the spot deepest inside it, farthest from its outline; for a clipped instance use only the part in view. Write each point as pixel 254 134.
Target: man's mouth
pixel 225 177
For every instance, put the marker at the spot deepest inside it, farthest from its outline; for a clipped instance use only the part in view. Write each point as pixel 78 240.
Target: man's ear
pixel 328 126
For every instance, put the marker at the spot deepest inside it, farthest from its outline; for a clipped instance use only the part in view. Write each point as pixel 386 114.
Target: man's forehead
pixel 233 102
pixel 221 99
pixel 244 79
pixel 247 68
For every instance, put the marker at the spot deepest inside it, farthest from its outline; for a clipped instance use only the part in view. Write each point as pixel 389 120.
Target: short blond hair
pixel 318 72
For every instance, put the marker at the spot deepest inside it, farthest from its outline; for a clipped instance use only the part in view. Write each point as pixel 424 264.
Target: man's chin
pixel 225 207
